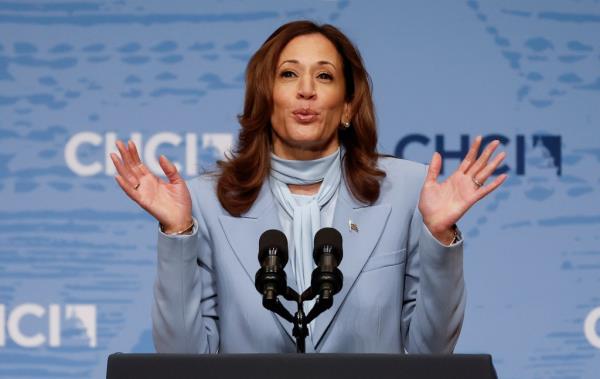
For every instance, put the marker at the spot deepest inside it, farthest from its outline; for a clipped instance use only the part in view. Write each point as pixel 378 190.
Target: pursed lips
pixel 305 116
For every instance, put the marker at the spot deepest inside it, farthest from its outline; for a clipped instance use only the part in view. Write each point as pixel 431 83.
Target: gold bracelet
pixel 184 231
pixel 457 234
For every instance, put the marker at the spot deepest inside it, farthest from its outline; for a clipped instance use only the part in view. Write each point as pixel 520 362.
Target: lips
pixel 305 116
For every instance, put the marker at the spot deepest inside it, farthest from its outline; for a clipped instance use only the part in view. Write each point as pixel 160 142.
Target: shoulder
pixel 203 190
pixel 402 170
pixel 403 181
pixel 203 184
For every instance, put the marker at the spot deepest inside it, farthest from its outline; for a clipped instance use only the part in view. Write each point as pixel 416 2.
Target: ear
pixel 347 113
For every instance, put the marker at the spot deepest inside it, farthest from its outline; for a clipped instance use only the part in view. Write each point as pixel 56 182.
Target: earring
pixel 346 124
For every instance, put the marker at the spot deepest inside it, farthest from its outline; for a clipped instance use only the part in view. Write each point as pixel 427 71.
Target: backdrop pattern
pixel 77 258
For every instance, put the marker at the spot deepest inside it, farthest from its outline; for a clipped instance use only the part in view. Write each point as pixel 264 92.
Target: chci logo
pixel 33 325
pixel 546 147
pixel 589 327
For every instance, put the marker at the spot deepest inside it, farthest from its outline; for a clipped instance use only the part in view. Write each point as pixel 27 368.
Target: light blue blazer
pixel 403 291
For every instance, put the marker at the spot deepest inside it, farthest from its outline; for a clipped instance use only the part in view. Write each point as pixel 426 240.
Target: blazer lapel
pixel 243 233
pixel 358 244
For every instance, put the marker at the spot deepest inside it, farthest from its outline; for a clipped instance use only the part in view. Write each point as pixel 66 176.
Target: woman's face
pixel 308 99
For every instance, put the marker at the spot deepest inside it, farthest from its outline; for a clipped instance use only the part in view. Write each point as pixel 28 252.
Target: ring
pixel 479 185
pixel 136 186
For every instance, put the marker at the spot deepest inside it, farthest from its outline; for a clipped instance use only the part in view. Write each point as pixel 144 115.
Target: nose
pixel 306 88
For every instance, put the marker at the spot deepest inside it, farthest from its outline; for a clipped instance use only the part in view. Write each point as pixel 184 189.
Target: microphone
pixel 327 279
pixel 270 279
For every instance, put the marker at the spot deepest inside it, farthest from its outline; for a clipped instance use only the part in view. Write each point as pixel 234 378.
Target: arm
pixel 434 296
pixel 434 292
pixel 184 315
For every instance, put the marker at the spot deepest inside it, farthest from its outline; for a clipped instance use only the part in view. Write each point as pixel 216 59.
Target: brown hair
pixel 242 173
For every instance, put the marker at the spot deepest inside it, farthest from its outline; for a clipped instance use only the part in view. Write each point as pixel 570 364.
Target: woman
pixel 306 158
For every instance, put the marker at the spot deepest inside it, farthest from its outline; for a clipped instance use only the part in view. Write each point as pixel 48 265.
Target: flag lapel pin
pixel 353 227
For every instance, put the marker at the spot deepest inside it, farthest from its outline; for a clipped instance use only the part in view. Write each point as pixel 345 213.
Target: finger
pixel 471 156
pixel 488 170
pixel 123 171
pixel 137 166
pixel 170 170
pixel 434 168
pixel 483 159
pixel 125 157
pixel 133 152
pixel 133 173
pixel 485 190
pixel 128 188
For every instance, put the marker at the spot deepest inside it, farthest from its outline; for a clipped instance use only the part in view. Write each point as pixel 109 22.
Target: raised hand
pixel 169 202
pixel 443 204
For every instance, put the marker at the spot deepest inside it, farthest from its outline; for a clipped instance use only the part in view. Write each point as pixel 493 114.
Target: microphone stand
pixel 326 279
pixel 299 319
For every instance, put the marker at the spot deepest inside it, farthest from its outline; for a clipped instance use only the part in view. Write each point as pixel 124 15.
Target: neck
pixel 304 176
pixel 302 153
pixel 304 189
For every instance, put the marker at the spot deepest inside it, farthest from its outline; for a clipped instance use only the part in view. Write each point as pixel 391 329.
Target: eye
pixel 325 76
pixel 287 74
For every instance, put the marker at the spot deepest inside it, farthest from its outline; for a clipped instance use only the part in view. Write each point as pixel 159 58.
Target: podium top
pixel 301 366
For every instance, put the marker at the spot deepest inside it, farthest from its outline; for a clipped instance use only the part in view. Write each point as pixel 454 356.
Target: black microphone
pixel 327 279
pixel 270 279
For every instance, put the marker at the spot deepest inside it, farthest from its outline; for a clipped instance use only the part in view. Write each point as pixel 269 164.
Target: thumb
pixel 434 167
pixel 170 170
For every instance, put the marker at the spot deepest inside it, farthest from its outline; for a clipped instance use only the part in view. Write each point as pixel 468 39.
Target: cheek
pixel 284 95
pixel 279 106
pixel 335 109
pixel 333 97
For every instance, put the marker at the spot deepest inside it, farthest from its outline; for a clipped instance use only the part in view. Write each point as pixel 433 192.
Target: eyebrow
pixel 295 61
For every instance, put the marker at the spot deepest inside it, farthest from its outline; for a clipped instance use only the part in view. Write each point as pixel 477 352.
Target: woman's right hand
pixel 169 202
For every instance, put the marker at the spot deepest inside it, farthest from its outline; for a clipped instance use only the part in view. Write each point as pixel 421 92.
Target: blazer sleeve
pixel 434 292
pixel 184 314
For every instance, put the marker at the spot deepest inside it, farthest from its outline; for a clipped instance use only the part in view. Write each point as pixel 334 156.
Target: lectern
pixel 299 366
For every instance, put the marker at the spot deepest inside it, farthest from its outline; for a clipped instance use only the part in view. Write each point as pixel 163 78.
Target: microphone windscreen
pixel 273 238
pixel 331 237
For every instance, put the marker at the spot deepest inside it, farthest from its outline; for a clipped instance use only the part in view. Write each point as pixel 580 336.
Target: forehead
pixel 310 48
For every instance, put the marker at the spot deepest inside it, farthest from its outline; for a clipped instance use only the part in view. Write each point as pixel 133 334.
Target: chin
pixel 307 143
pixel 308 137
pixel 301 143
pixel 308 133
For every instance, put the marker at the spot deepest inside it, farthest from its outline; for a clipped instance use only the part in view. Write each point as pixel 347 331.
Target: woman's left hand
pixel 443 204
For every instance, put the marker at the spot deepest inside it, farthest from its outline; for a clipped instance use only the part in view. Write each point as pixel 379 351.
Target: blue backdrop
pixel 77 257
